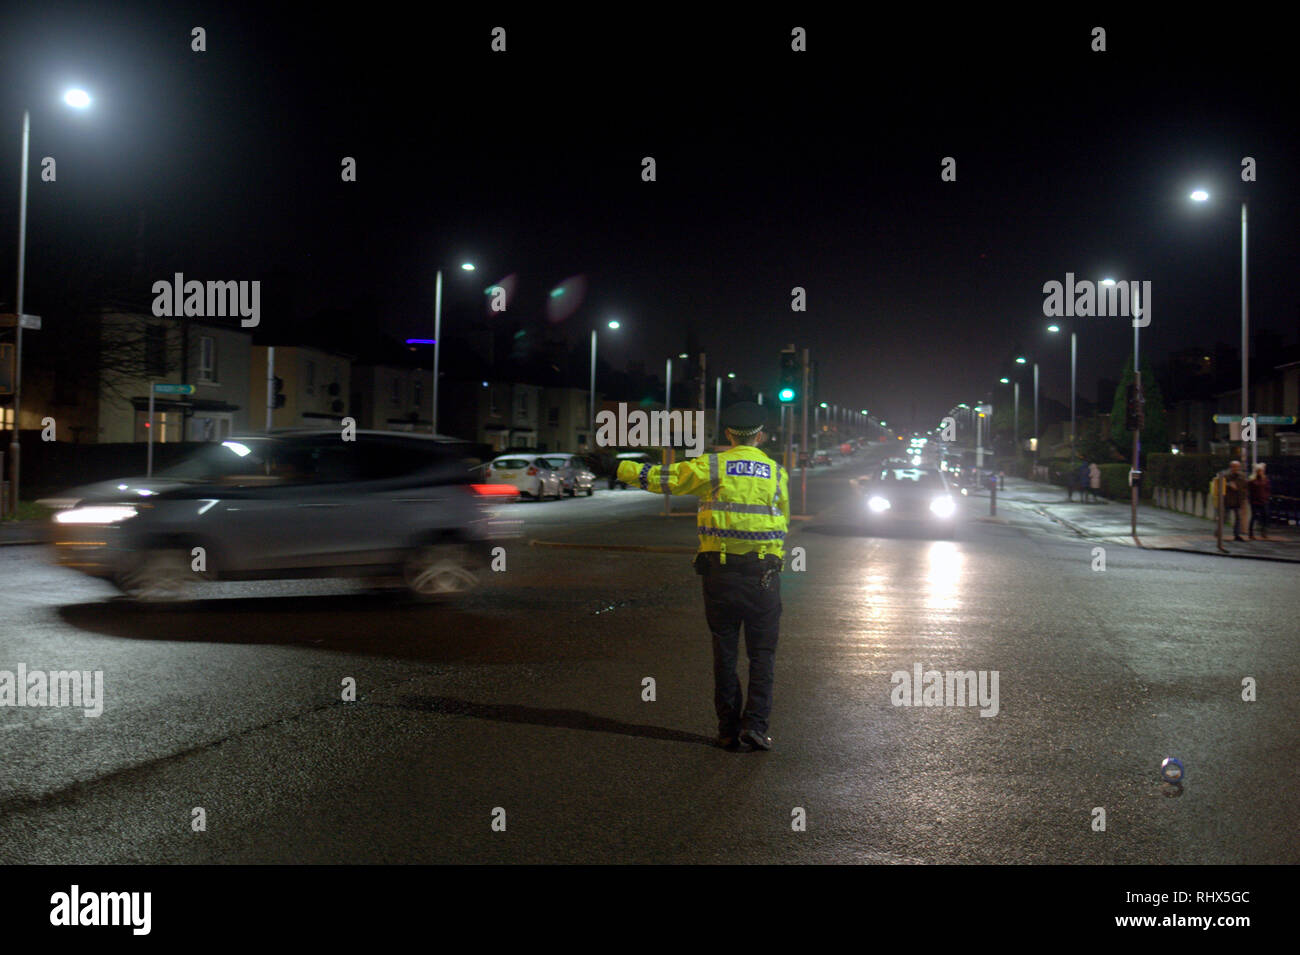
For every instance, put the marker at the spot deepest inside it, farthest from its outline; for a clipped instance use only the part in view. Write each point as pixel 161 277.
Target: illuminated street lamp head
pixel 613 324
pixel 682 355
pixel 1107 281
pixel 1200 195
pixel 1053 328
pixel 77 99
pixel 822 405
pixel 1005 381
pixel 1020 360
pixel 467 266
pixel 732 374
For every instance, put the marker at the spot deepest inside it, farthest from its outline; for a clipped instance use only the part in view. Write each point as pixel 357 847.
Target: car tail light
pixel 532 472
pixel 494 490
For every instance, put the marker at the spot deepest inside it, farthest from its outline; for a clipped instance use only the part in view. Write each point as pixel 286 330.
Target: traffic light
pixel 277 400
pixel 791 372
pixel 1133 408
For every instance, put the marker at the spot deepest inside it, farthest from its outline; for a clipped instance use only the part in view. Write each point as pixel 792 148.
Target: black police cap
pixel 744 418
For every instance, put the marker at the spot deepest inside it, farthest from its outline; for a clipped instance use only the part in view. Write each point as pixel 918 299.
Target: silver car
pixel 290 505
pixel 573 471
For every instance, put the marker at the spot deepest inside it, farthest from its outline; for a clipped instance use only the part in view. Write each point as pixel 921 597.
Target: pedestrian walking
pixel 1078 481
pixel 1094 480
pixel 1258 491
pixel 744 516
pixel 1234 494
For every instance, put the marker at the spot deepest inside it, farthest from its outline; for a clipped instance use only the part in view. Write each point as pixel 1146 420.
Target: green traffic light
pixel 786 394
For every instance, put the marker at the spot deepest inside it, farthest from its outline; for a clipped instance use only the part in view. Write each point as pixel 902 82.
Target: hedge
pixel 1182 472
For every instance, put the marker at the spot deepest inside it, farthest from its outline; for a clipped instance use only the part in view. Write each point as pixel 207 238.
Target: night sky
pixel 775 169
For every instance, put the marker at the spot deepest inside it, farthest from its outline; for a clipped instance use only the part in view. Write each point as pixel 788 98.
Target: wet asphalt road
pixel 528 698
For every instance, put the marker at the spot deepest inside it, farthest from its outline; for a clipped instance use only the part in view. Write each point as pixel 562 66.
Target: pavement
pixel 1158 529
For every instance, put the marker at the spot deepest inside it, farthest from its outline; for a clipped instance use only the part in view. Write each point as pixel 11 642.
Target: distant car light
pixel 943 506
pixel 109 514
pixel 916 460
pixel 240 449
pixel 878 504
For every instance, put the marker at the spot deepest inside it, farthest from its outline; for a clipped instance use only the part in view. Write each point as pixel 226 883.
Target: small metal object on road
pixel 1171 770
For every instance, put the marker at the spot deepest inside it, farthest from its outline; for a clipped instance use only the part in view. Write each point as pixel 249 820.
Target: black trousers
pixel 731 598
pixel 1259 513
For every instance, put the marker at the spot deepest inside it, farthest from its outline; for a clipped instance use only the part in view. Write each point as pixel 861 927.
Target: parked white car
pixel 529 473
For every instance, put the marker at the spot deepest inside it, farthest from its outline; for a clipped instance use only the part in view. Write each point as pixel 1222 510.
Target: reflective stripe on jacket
pixel 744 498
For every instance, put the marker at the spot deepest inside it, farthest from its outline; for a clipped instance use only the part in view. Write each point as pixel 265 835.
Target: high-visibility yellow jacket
pixel 744 497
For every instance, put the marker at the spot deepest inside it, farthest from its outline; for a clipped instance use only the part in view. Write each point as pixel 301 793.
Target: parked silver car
pixel 578 478
pixel 288 505
pixel 529 473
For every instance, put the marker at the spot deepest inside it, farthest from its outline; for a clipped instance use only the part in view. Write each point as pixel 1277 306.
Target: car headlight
pixel 106 514
pixel 943 506
pixel 878 504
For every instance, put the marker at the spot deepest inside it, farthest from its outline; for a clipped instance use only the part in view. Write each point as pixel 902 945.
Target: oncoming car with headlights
pixel 911 497
pixel 399 507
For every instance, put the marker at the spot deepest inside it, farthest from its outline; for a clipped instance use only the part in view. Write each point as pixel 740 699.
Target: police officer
pixel 743 520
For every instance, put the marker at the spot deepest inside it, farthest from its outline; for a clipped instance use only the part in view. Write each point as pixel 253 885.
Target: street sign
pixel 162 389
pixel 1259 419
pixel 32 322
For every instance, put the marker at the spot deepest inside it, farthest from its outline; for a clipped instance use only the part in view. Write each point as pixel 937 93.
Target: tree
pixel 1155 426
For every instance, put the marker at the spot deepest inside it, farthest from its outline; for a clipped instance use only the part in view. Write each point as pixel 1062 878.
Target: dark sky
pixel 775 169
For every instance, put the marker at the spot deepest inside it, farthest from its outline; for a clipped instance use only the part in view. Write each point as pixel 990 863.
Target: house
pixel 136 351
pixel 315 383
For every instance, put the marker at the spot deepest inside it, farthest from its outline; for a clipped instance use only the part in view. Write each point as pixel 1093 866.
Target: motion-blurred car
pixel 290 505
pixel 919 498
pixel 530 474
pixel 576 476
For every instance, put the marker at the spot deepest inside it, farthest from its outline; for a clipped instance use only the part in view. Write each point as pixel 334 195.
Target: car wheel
pixel 440 570
pixel 590 490
pixel 159 576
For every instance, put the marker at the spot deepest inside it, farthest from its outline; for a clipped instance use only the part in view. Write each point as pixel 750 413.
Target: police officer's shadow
pixel 538 716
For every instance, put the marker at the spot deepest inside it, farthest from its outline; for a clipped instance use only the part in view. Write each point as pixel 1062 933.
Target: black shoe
pixel 755 740
pixel 729 743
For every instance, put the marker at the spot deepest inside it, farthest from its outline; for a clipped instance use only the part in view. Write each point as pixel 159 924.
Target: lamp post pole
pixel 437 344
pixel 591 401
pixel 14 449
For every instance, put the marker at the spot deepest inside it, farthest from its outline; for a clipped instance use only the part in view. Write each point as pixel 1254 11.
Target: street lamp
pixel 1201 195
pixel 1073 365
pixel 437 341
pixel 591 401
pixel 1135 471
pixel 77 99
